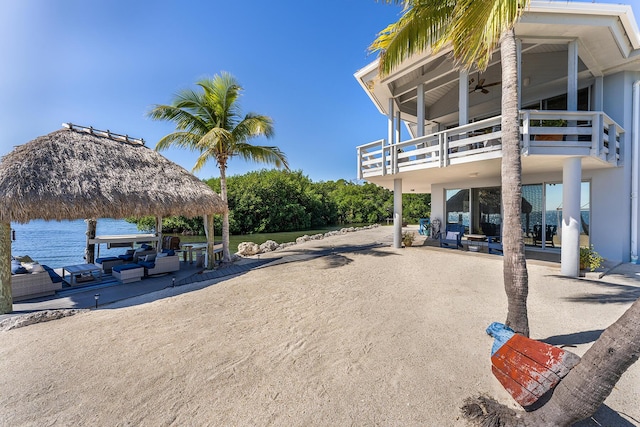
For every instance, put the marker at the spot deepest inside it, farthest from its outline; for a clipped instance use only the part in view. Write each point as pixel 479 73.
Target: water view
pixel 61 243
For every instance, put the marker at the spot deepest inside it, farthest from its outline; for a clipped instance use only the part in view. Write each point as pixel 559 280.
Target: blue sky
pixel 104 64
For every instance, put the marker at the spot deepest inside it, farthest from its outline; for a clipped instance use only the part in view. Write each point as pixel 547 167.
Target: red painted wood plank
pixel 528 369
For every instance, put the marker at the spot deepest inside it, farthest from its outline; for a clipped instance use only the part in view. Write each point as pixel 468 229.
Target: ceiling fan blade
pixel 481 82
pixel 492 84
pixel 485 91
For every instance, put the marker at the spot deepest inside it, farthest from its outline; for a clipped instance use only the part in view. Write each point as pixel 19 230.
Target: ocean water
pixel 61 243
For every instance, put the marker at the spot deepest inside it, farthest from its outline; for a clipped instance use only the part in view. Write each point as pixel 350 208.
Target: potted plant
pixel 589 258
pixel 408 237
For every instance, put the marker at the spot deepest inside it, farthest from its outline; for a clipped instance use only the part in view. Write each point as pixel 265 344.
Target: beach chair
pixel 452 237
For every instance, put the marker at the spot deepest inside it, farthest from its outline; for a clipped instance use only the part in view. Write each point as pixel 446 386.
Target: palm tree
pixel 210 122
pixel 474 28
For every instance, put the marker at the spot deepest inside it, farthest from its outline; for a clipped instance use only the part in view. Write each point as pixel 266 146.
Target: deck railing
pixel 581 133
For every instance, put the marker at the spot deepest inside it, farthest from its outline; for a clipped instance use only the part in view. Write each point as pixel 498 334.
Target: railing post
pixel 445 149
pixel 359 163
pixel 613 144
pixel 384 157
pixel 597 134
pixel 394 163
pixel 526 138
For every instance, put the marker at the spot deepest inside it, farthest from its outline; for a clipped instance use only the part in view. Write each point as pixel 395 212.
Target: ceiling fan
pixel 481 87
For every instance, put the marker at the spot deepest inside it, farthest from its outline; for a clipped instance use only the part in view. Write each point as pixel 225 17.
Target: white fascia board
pixel 624 12
pixel 363 76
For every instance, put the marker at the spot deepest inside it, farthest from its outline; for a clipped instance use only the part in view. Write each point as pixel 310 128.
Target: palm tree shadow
pixel 615 293
pixel 569 340
pixel 335 261
pixel 605 416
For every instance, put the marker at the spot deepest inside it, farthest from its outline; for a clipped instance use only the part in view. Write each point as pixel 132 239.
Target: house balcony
pixel 592 135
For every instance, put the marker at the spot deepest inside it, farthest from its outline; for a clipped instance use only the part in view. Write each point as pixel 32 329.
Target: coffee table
pixel 474 242
pixel 78 270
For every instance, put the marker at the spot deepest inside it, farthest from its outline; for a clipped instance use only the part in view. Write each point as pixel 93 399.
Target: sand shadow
pixel 615 294
pixel 583 337
pixel 606 416
pixel 335 261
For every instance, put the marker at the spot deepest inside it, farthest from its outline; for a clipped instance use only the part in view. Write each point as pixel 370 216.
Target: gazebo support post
pixel 209 231
pixel 159 233
pixel 6 298
pixel 90 250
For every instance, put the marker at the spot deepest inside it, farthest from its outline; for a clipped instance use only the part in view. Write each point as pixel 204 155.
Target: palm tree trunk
pixel 6 298
pixel 588 384
pixel 514 262
pixel 582 391
pixel 226 255
pixel 209 232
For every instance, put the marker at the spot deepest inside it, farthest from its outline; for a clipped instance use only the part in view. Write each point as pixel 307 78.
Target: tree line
pixel 269 201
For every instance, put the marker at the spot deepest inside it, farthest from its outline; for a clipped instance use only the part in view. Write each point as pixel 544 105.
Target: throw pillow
pixel 452 235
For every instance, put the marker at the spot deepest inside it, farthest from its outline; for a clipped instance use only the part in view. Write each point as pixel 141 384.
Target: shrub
pixel 589 258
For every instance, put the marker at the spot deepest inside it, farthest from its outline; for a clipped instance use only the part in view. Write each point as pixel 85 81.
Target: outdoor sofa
pixel 165 262
pixel 40 281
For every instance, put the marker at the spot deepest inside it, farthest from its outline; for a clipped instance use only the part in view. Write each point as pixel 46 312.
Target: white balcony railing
pixel 578 133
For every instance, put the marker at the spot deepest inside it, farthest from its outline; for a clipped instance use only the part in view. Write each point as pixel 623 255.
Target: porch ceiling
pixel 609 42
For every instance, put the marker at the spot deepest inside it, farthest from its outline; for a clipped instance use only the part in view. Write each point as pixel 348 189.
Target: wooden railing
pixel 582 133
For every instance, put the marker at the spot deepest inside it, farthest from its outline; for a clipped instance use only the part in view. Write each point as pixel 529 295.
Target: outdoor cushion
pixel 55 277
pixel 108 258
pixel 17 268
pixel 125 267
pixel 169 252
pixel 150 258
pixel 146 264
pixel 126 257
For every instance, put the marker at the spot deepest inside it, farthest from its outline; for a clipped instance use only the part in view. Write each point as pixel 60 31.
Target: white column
pixel 390 125
pixel 420 112
pixel 571 180
pixel 390 138
pixel 572 77
pixel 598 94
pixel 397 213
pixel 463 98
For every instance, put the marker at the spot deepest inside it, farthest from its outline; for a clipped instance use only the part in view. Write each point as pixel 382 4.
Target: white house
pixel 579 77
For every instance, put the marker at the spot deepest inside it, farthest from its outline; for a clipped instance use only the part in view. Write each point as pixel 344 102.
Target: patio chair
pixel 551 230
pixel 425 226
pixel 452 237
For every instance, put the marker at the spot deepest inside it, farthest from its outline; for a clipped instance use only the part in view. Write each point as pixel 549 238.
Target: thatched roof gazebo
pixel 81 173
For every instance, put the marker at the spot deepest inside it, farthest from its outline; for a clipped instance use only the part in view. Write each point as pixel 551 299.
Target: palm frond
pixel 223 91
pixel 183 119
pixel 180 139
pixel 477 26
pixel 254 125
pixel 422 26
pixel 262 154
pixel 218 141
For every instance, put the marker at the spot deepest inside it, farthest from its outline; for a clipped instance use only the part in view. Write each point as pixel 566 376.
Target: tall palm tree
pixel 210 122
pixel 474 28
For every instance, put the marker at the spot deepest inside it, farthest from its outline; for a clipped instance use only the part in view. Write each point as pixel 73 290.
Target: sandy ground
pixel 385 336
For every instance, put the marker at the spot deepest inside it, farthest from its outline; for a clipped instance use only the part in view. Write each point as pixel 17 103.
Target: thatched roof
pixel 79 173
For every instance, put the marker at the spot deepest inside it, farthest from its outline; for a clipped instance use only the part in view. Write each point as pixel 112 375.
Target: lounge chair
pixel 452 237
